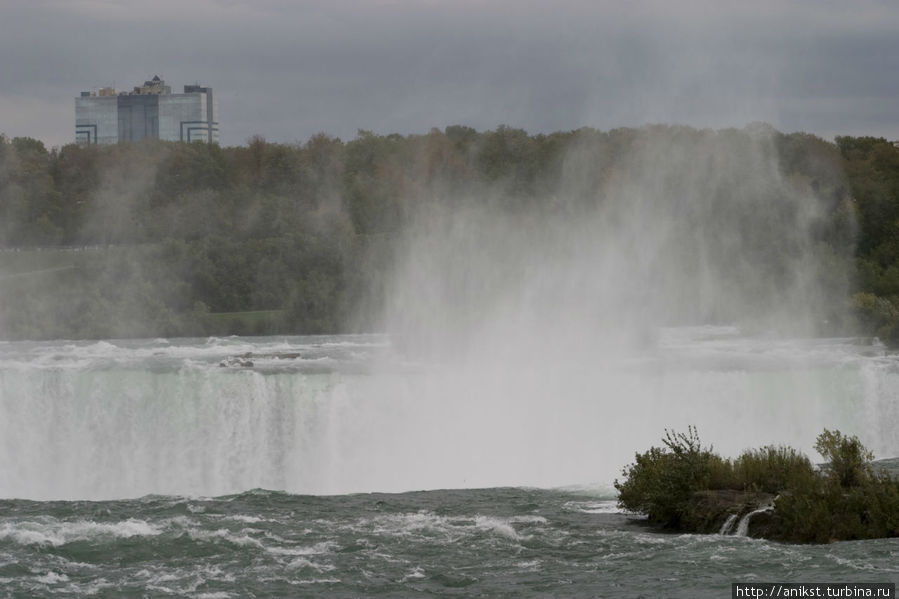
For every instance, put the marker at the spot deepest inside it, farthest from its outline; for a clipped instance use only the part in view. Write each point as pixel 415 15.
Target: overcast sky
pixel 287 69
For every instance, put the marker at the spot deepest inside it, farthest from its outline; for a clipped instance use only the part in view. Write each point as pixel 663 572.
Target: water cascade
pixel 728 525
pixel 339 415
pixel 743 526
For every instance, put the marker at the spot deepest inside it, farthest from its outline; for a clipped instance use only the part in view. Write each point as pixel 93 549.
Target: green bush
pixel 821 511
pixel 683 486
pixel 771 469
pixel 847 459
pixel 661 482
pixel 846 500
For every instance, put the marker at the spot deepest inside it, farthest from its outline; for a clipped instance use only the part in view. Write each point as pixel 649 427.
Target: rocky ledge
pixel 730 512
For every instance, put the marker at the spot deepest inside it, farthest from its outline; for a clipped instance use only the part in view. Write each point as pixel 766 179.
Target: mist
pixel 682 227
pixel 551 330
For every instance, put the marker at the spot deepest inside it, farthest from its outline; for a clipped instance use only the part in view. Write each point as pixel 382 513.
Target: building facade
pixel 150 110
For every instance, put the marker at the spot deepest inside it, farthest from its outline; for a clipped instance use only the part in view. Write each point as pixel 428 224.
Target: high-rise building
pixel 150 110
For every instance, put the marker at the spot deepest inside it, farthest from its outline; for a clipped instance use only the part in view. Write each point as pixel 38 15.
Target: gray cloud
pixel 288 69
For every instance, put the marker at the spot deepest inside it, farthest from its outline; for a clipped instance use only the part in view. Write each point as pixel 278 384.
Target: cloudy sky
pixel 287 69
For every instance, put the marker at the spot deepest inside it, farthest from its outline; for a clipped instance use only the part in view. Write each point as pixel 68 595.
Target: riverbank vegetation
pixel 164 239
pixel 683 486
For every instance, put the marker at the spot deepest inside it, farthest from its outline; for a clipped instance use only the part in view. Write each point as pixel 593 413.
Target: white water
pixel 743 526
pixel 728 525
pixel 338 415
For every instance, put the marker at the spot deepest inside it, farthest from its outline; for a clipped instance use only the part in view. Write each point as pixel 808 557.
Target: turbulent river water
pixel 308 466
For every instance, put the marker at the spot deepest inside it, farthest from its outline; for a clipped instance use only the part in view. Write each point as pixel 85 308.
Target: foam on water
pixel 491 542
pixel 498 526
pixel 609 506
pixel 242 518
pixel 50 531
pixel 52 578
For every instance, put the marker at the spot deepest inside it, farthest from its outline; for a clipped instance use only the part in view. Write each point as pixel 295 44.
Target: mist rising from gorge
pixel 543 320
pixel 664 226
pixel 588 236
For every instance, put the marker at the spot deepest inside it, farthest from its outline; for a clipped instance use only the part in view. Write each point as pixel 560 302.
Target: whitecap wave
pixel 50 531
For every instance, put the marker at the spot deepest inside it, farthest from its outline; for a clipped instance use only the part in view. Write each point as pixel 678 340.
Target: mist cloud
pixel 662 226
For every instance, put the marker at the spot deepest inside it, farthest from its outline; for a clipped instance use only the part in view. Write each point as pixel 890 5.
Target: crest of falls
pixel 346 414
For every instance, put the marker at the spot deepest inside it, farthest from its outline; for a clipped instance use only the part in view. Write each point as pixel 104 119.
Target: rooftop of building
pixel 155 86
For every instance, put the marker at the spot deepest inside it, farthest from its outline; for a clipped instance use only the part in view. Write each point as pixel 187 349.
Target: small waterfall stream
pixel 743 526
pixel 728 525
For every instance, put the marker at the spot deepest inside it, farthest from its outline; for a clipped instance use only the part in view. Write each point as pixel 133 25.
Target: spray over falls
pixel 684 227
pixel 528 343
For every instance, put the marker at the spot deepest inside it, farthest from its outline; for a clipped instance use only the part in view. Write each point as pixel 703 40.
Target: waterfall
pixel 728 525
pixel 743 526
pixel 124 419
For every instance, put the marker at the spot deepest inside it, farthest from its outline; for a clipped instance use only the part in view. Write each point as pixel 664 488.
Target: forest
pixel 170 239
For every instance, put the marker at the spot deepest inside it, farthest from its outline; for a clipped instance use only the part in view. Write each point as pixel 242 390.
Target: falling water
pixel 743 527
pixel 346 414
pixel 728 525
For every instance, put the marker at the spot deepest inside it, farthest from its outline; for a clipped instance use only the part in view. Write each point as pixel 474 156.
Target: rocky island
pixel 773 492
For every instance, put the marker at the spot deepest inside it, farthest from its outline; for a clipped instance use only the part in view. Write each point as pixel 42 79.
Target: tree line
pixel 197 239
